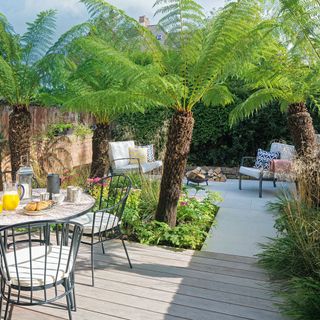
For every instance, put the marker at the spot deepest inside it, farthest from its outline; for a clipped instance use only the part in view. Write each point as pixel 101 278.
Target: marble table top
pixel 64 211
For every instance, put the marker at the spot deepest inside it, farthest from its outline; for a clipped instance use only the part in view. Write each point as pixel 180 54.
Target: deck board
pixel 165 284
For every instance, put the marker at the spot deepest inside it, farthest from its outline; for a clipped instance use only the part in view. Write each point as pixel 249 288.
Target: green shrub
pixel 194 218
pixel 294 256
pixel 302 299
pixel 58 129
pixel 81 130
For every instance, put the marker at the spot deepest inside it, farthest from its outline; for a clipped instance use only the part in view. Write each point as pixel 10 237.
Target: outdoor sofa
pixel 123 161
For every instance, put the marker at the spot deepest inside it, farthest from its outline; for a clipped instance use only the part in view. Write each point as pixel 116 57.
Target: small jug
pixel 11 197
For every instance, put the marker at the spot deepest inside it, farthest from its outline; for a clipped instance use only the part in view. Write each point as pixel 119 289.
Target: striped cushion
pixel 150 152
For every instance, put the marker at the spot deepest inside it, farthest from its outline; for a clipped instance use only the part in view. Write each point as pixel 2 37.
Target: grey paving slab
pixel 243 220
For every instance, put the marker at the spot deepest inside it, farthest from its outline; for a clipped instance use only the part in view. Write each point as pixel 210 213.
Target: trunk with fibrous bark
pixel 19 136
pixel 100 147
pixel 301 129
pixel 177 151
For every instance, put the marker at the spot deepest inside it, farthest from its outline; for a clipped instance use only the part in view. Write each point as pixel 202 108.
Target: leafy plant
pixel 81 130
pixel 294 256
pixel 58 129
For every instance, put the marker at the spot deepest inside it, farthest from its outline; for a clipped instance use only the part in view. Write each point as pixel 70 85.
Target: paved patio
pixel 243 220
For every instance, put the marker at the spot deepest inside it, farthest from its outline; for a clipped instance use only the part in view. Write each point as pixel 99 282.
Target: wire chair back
pixel 114 192
pixel 34 272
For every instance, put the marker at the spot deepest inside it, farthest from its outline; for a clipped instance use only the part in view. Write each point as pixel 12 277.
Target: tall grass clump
pixel 293 257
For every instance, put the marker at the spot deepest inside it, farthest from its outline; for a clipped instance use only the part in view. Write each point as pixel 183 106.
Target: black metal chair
pixel 104 223
pixel 36 273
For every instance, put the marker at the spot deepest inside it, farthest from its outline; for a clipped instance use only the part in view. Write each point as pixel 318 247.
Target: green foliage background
pixel 214 142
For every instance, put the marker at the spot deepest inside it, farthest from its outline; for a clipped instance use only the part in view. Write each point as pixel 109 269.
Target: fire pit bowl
pixel 197 180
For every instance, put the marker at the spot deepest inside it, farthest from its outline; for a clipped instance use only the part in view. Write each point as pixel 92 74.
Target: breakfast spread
pixel 38 206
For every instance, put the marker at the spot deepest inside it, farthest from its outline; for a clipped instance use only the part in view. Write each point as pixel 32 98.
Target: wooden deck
pixel 165 285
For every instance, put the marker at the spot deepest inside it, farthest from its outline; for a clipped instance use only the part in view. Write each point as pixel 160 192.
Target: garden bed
pixel 194 216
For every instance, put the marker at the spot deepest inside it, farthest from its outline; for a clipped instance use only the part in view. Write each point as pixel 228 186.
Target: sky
pixel 71 12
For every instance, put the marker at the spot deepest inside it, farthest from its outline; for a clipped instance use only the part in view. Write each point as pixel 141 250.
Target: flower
pixel 183 203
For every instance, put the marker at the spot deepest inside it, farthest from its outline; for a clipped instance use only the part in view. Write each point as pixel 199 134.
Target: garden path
pixel 243 220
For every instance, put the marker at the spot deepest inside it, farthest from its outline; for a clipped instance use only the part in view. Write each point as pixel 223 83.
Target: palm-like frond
pixel 7 81
pixel 226 41
pixel 258 100
pixel 218 95
pixel 300 24
pixel 38 38
pixel 9 42
pixel 101 8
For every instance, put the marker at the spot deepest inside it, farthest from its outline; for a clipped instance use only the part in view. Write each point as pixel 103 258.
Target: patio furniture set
pixel 38 251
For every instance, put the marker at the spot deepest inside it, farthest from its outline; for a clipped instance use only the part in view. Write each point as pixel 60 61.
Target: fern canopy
pixel 120 66
pixel 289 73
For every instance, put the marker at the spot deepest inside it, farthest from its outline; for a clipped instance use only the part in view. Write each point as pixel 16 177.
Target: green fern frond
pixel 101 8
pixel 38 38
pixel 258 100
pixel 218 95
pixel 7 81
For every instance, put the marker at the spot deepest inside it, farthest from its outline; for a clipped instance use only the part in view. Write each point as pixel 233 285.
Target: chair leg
pixel 260 188
pixel 240 178
pixel 103 250
pixel 92 265
pixel 126 251
pixel 7 305
pixel 274 182
pixel 68 298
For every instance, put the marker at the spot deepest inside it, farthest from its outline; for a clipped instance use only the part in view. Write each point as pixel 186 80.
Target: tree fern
pixel 38 38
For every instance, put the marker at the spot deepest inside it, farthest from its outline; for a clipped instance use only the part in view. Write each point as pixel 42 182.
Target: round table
pixel 64 211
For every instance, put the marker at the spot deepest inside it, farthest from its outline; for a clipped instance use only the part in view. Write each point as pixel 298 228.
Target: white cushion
pixel 118 150
pixel 38 265
pixel 251 172
pixel 256 173
pixel 145 167
pixel 108 222
pixel 128 167
pixel 149 166
pixel 287 151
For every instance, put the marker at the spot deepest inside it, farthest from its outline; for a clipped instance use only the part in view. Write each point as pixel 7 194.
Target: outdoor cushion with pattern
pixel 139 153
pixel 150 152
pixel 264 159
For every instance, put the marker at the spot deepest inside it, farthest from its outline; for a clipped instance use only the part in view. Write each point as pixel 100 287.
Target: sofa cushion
pixel 150 151
pixel 264 159
pixel 287 151
pixel 138 153
pixel 119 150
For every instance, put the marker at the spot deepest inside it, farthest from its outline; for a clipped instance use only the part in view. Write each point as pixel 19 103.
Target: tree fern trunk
pixel 19 136
pixel 301 129
pixel 178 146
pixel 100 147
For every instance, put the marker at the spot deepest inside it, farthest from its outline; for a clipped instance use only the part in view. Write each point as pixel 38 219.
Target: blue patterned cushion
pixel 264 159
pixel 150 152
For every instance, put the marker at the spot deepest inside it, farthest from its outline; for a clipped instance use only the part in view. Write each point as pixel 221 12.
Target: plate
pixel 39 212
